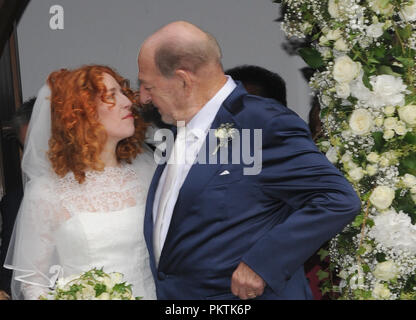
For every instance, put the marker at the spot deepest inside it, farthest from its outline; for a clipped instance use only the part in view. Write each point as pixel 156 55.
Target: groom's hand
pixel 245 283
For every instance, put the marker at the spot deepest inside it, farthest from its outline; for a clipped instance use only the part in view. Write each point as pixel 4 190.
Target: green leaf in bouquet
pixel 407 62
pixel 121 287
pixel 366 77
pixel 410 99
pixel 410 138
pixel 361 250
pixel 378 141
pixel 405 33
pixel 322 275
pixel 358 221
pixel 99 289
pixel 408 164
pixel 380 257
pixel 312 57
pixel 379 52
pixel 387 70
pixel 323 254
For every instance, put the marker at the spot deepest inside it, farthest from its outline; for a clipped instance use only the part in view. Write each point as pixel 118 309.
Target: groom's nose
pixel 145 97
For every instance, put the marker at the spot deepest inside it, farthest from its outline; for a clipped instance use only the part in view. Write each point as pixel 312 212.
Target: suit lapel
pixel 198 177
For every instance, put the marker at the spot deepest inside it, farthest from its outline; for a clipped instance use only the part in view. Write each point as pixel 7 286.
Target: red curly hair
pixel 78 138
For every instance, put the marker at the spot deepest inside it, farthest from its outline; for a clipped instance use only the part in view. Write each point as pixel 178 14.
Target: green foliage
pixel 312 57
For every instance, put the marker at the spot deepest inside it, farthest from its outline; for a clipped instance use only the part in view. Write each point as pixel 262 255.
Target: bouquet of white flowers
pixel 363 53
pixel 94 284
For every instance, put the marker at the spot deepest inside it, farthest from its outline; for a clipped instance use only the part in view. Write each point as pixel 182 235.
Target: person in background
pixel 14 130
pixel 260 82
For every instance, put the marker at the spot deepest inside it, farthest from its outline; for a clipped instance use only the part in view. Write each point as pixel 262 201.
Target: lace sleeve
pixel 32 254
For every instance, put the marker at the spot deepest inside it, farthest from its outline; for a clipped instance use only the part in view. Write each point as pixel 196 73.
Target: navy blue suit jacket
pixel 273 221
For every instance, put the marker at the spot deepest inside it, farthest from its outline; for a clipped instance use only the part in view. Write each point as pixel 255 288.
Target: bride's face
pixel 117 119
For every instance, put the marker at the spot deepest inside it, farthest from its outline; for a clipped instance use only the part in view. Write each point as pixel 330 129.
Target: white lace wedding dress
pixel 77 227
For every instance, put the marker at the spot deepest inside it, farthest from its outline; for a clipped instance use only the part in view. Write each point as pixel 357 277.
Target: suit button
pixel 161 275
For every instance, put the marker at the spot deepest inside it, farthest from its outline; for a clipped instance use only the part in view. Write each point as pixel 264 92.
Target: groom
pixel 214 231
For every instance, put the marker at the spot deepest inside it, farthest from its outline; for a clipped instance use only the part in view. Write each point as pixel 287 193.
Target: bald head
pixel 181 45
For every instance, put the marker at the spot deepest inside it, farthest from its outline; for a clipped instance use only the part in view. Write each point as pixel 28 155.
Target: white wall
pixel 110 32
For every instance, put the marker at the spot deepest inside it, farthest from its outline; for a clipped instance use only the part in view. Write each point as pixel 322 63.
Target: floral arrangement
pixel 94 284
pixel 363 53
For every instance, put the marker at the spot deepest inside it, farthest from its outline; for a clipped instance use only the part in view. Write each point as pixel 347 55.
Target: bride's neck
pixel 108 155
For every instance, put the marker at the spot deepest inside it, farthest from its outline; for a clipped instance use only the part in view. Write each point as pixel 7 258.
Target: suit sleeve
pixel 322 201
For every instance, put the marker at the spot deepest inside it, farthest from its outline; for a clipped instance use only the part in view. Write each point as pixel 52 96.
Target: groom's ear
pixel 186 79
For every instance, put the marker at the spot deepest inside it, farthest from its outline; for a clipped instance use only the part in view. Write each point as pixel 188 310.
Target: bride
pixel 87 173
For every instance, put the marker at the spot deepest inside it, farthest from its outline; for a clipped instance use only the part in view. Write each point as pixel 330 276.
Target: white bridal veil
pixel 30 241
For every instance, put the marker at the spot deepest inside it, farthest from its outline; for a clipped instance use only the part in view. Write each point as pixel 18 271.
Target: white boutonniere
pixel 224 133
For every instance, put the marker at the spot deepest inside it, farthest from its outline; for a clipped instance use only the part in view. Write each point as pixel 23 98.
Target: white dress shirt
pixel 196 132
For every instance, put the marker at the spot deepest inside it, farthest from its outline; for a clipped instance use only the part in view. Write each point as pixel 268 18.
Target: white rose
pixel 408 13
pixel 375 30
pixel 345 69
pixel 323 41
pixel 408 114
pixel 384 162
pixel 400 129
pixel 116 277
pixel 373 157
pixel 88 292
pixel 356 174
pixel 381 6
pixel 379 121
pixel 380 291
pixel 332 155
pixel 343 90
pixel 389 110
pixel 346 158
pixel 333 34
pixel 333 8
pixel 341 45
pixel 390 123
pixel 360 91
pixel 387 90
pixel 371 169
pixel 382 197
pixel 104 296
pixel 413 191
pixel 409 180
pixel 108 282
pixel 386 270
pixel 361 122
pixel 388 134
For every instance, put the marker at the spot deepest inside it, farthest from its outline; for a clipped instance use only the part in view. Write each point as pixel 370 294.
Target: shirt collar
pixel 201 122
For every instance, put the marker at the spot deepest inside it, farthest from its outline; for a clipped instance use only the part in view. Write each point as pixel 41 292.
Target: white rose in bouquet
pixel 343 90
pixel 386 270
pixel 388 134
pixel 341 45
pixel 332 155
pixel 345 69
pixel 388 90
pixel 408 114
pixel 380 291
pixel 381 6
pixel 373 157
pixel 382 197
pixel 409 180
pixel 390 123
pixel 333 34
pixel 361 122
pixel 333 8
pixel 371 169
pixel 356 174
pixel 375 30
pixel 408 13
pixel 400 129
pixel 389 110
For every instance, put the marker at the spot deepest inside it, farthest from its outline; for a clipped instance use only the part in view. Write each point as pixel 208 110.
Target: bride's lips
pixel 128 116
